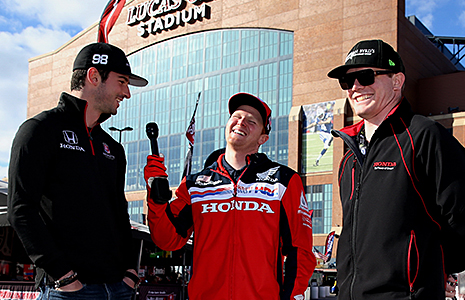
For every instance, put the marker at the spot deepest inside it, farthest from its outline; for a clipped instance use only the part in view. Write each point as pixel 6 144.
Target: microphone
pixel 151 129
pixel 159 189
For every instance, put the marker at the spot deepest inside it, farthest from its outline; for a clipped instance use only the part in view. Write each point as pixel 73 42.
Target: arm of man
pixel 444 160
pixel 170 224
pixel 300 261
pixel 30 159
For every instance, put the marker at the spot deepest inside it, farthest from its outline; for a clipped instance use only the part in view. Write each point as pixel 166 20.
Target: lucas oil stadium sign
pixel 152 17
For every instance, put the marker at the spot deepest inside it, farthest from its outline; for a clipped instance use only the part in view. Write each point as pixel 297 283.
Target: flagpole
pixel 190 134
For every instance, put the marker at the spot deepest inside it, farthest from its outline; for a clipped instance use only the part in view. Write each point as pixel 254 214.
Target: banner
pixel 108 19
pixel 317 149
pixel 329 245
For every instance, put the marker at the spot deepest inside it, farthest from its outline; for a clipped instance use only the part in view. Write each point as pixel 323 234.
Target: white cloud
pixel 33 27
pixel 462 19
pixel 57 13
pixel 15 50
pixel 424 10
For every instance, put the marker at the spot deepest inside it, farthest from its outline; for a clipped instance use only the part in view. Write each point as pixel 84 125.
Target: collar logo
pixel 70 137
pixel 266 176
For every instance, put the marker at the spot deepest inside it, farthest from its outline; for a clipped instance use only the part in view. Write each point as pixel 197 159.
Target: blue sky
pixel 29 28
pixel 441 17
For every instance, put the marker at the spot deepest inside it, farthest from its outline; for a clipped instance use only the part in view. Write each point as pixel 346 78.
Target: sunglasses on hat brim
pixel 364 77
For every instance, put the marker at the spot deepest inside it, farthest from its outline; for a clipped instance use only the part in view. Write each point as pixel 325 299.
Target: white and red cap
pixel 239 99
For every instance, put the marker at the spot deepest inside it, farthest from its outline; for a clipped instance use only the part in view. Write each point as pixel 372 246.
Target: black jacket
pixel 401 204
pixel 66 195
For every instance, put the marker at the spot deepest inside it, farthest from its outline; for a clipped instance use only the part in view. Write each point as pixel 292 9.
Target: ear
pixel 93 76
pixel 398 80
pixel 263 139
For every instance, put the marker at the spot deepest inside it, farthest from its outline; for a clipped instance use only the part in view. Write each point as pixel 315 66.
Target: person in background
pixel 66 196
pixel 402 187
pixel 247 214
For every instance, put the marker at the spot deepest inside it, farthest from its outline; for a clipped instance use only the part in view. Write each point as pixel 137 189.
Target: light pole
pixel 120 131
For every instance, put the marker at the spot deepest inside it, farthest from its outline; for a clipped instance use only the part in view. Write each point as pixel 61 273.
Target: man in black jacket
pixel 66 196
pixel 402 187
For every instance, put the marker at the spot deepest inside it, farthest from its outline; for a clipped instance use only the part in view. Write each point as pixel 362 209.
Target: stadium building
pixel 280 51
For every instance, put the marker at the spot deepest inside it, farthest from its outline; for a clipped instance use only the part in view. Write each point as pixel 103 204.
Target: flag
pixel 190 134
pixel 319 255
pixel 108 19
pixel 329 245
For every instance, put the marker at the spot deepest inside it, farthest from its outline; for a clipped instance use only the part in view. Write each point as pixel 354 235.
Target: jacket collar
pixel 77 106
pixel 256 158
pixel 399 109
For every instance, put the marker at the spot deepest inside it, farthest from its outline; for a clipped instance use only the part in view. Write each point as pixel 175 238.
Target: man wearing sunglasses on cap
pixel 402 187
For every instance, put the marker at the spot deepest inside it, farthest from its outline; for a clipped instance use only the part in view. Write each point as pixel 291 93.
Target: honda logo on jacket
pixel 237 205
pixel 70 137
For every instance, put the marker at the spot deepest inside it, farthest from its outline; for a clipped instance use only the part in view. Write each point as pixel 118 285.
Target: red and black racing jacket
pixel 402 202
pixel 241 231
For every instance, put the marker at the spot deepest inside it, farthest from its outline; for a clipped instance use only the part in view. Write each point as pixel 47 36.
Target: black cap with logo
pixel 370 53
pixel 107 57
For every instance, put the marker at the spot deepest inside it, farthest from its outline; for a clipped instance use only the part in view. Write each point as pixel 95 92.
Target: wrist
pixel 65 280
pixel 133 277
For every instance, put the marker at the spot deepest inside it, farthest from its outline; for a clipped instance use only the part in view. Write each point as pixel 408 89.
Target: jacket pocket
pixel 412 261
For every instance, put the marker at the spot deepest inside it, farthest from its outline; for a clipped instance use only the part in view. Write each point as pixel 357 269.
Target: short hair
pixel 78 79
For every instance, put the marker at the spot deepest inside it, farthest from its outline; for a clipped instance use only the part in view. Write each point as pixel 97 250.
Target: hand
pixel 157 180
pixel 155 168
pixel 450 287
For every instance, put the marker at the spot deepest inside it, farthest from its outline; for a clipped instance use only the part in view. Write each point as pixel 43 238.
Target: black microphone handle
pixel 151 129
pixel 160 190
pixel 154 146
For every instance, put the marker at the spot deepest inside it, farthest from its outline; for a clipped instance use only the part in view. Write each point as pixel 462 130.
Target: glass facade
pixel 136 210
pixel 216 64
pixel 320 199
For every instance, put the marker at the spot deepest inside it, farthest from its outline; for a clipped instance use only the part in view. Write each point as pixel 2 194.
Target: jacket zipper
pixel 412 247
pixel 354 228
pixel 353 179
pixel 89 131
pixel 234 226
pixel 90 139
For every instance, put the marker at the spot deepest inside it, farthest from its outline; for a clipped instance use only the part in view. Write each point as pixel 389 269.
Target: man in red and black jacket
pixel 247 214
pixel 402 187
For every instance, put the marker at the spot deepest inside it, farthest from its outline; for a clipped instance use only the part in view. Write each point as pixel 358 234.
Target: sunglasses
pixel 364 77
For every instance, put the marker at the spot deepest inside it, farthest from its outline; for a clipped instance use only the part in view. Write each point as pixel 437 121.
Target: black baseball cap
pixel 370 53
pixel 107 57
pixel 239 99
